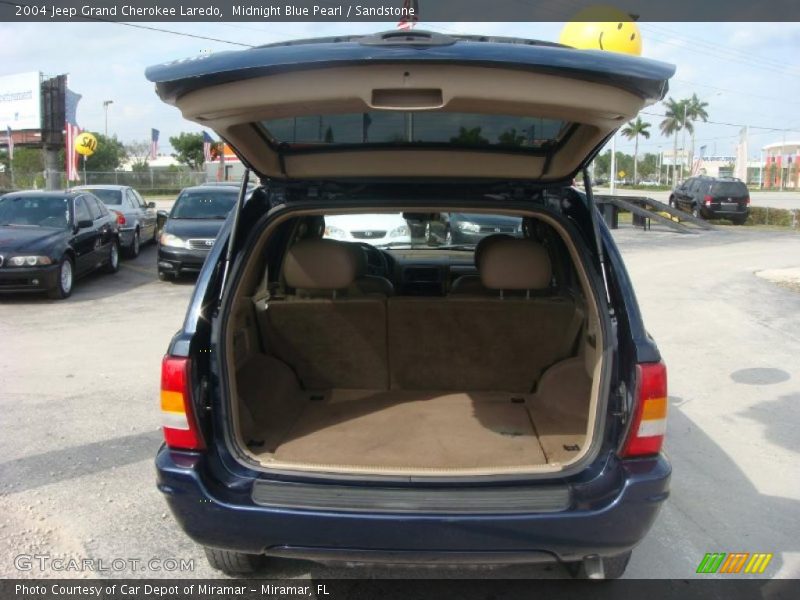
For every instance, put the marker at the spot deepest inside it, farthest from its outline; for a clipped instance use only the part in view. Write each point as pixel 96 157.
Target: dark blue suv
pixel 497 401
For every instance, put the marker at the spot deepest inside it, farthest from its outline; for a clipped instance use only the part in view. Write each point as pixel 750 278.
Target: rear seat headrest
pixel 515 264
pixel 320 265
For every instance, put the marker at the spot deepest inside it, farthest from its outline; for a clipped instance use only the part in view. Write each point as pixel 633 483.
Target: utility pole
pixel 106 104
pixel 783 147
pixel 613 167
pixel 683 135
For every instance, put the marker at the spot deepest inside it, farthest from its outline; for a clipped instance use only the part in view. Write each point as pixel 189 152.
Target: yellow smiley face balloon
pixel 85 144
pixel 603 28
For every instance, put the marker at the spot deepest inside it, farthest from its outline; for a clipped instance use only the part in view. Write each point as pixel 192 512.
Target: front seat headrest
pixel 515 264
pixel 321 265
pixel 484 243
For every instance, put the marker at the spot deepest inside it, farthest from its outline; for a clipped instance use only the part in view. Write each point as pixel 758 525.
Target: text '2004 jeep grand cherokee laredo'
pixel 342 401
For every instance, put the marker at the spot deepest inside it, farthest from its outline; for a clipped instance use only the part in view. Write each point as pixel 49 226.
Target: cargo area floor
pixel 409 429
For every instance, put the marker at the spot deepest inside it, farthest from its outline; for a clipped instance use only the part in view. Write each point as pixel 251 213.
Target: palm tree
pixel 632 131
pixel 674 121
pixel 695 111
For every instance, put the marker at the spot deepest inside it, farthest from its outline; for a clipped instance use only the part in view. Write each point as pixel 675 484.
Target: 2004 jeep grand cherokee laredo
pixel 413 402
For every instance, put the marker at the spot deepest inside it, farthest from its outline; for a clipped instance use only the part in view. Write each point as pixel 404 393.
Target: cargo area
pixel 478 382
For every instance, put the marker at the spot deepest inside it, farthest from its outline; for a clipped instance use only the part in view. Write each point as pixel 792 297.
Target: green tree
pixel 632 131
pixel 189 150
pixel 28 167
pixel 109 155
pixel 510 137
pixel 674 121
pixel 695 111
pixel 469 137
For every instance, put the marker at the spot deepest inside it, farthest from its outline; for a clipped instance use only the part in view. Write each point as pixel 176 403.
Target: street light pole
pixel 106 104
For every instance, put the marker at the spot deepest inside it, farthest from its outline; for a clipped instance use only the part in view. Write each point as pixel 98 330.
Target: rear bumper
pixel 180 260
pixel 609 513
pixel 33 279
pixel 715 212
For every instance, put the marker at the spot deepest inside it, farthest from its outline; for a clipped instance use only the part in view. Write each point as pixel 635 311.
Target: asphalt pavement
pixel 80 387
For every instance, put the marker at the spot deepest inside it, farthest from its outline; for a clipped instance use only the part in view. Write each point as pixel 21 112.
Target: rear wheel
pixel 65 280
pixel 696 212
pixel 133 251
pixel 113 258
pixel 234 563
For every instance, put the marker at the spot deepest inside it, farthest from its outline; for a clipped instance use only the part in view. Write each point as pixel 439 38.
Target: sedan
pixel 135 217
pixel 469 228
pixel 49 239
pixel 191 228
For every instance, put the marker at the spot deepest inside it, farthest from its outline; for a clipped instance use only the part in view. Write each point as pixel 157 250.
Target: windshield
pixel 109 197
pixel 35 211
pixel 456 231
pixel 206 204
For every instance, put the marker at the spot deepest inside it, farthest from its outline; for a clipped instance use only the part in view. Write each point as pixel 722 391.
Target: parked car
pixel 135 217
pixel 713 198
pixel 49 239
pixel 378 229
pixel 469 228
pixel 306 415
pixel 191 228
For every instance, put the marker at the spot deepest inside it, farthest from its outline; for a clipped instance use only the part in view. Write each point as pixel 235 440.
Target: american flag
pixel 407 21
pixel 154 144
pixel 10 142
pixel 207 143
pixel 72 130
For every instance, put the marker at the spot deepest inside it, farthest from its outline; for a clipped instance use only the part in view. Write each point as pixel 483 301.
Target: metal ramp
pixel 648 209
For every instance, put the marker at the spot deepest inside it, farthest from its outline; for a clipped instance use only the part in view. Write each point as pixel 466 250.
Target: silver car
pixel 136 218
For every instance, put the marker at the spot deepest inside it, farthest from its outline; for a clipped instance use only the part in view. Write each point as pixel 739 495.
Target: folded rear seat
pixel 501 343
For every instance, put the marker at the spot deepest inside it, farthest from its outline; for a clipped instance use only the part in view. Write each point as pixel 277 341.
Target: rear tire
pixel 113 260
pixel 613 567
pixel 164 276
pixel 696 212
pixel 136 244
pixel 234 563
pixel 66 279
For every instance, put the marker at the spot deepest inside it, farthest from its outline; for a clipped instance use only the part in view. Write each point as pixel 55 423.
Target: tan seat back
pixel 329 339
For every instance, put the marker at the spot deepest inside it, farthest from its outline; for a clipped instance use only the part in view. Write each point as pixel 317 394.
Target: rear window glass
pixel 394 127
pixel 108 197
pixel 212 204
pixel 729 188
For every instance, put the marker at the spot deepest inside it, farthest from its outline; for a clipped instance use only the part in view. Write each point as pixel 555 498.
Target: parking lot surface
pixel 80 385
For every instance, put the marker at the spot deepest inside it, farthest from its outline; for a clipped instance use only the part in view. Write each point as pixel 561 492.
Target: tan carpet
pixel 412 429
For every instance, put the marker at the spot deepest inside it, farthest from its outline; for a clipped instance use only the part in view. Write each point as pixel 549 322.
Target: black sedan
pixel 135 217
pixel 191 228
pixel 469 228
pixel 49 239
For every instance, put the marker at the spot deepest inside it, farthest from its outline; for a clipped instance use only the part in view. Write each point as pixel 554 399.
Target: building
pixel 780 165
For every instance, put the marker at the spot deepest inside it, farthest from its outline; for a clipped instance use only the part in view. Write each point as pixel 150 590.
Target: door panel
pixel 86 239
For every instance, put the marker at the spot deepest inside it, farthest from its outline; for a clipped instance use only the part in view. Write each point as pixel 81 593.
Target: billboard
pixel 20 101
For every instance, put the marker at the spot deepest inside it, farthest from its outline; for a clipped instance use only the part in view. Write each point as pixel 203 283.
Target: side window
pixel 134 201
pixel 81 211
pixel 94 210
pixel 103 210
pixel 142 203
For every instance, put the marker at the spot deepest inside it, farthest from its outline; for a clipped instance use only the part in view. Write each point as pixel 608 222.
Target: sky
pixel 748 73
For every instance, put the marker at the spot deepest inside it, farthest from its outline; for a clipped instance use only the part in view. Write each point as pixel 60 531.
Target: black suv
pixel 493 401
pixel 713 198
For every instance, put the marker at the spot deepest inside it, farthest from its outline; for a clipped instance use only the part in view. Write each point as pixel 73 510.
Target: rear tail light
pixel 707 199
pixel 747 199
pixel 649 423
pixel 120 218
pixel 180 426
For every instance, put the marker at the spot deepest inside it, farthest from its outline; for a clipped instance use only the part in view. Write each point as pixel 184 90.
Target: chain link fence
pixel 147 182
